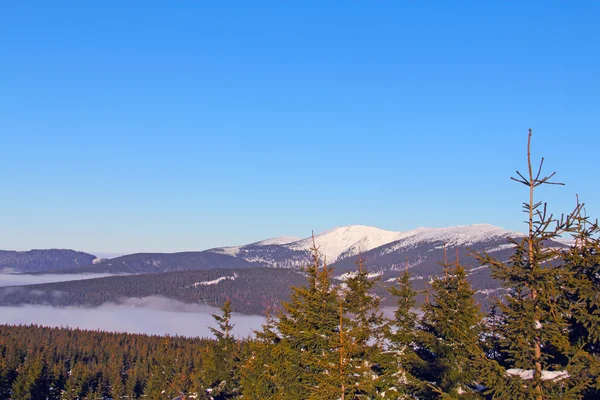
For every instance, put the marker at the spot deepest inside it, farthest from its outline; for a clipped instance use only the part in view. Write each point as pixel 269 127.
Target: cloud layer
pixel 149 315
pixel 20 280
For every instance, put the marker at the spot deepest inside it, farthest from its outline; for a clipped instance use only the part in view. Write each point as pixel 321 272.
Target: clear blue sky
pixel 166 126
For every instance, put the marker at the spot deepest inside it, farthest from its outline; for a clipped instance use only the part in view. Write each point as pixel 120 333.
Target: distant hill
pixel 162 262
pixel 251 290
pixel 254 275
pixel 43 260
pixel 385 254
pixel 337 246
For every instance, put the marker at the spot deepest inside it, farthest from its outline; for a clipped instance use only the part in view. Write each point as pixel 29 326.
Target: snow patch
pixel 216 281
pixel 527 374
pixel 501 247
pixel 277 240
pixel 348 275
pixel 490 291
pixel 455 236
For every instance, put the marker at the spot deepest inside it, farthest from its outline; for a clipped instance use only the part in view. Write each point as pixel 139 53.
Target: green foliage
pixel 33 381
pixel 220 372
pixel 534 334
pixel 260 371
pixel 308 332
pixel 449 330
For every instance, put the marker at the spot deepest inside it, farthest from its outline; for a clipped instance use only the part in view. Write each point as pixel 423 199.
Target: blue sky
pixel 167 126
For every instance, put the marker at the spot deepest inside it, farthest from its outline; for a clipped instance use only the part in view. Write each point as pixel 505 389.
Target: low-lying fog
pixel 20 280
pixel 150 315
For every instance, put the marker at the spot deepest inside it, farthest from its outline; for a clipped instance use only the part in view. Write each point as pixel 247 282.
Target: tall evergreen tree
pixel 116 378
pixel 260 370
pixel 400 360
pixel 309 330
pixel 450 327
pixel 5 380
pixel 75 383
pixel 582 259
pixel 361 333
pixel 160 383
pixel 33 382
pixel 221 367
pixel 540 362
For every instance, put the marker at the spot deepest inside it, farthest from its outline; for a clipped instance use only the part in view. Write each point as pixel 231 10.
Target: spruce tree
pixel 75 383
pixel 309 331
pixel 361 334
pixel 5 380
pixel 583 261
pixel 133 384
pixel 33 381
pixel 160 383
pixel 221 369
pixel 400 360
pixel 260 370
pixel 539 360
pixel 450 327
pixel 115 376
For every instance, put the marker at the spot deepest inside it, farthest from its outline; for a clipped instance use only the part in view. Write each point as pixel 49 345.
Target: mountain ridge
pixel 335 245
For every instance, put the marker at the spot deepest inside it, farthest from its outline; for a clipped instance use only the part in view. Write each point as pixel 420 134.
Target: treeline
pixel 57 363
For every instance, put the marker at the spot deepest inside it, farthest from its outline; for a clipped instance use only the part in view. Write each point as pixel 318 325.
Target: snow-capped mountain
pixel 342 243
pixel 384 251
pixel 334 244
pixel 347 241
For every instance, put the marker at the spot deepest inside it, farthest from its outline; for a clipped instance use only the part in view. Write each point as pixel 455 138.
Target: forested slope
pixel 251 290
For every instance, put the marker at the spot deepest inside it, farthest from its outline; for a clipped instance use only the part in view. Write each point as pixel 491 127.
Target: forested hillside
pixel 251 290
pixel 43 260
pixel 160 262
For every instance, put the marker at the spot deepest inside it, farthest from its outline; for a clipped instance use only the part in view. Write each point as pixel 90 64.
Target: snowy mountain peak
pixel 347 240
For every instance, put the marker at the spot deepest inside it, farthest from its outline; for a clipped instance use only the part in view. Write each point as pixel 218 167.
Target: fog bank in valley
pixel 26 279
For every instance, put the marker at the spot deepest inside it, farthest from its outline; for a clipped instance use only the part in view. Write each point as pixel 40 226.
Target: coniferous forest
pixel 541 339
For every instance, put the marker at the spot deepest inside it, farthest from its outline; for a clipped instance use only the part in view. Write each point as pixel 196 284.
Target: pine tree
pixel 361 334
pixel 32 383
pixel 309 331
pixel 160 383
pixel 75 383
pixel 5 380
pixel 400 360
pixel 259 371
pixel 115 376
pixel 583 261
pixel 133 387
pixel 540 362
pixel 222 364
pixel 450 327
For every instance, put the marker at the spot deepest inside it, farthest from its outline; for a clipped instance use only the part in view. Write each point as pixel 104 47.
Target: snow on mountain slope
pixel 348 240
pixel 454 236
pixel 235 250
pixel 344 242
pixel 277 240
